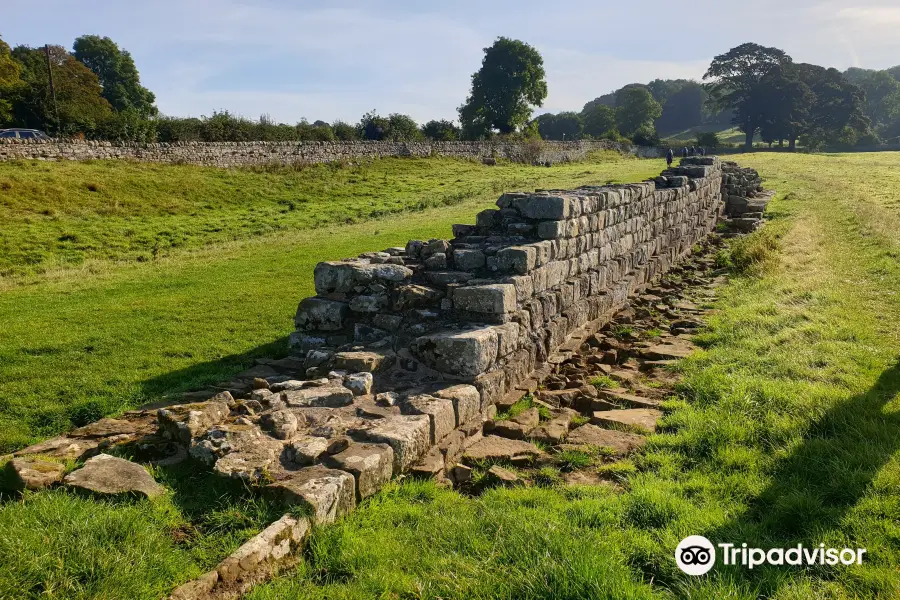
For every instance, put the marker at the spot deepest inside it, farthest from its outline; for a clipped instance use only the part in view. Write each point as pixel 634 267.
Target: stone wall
pixel 492 306
pixel 237 154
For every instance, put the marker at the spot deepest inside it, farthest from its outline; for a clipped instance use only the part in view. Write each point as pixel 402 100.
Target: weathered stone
pixel 368 304
pixel 108 475
pixel 63 447
pixel 555 430
pixel 33 472
pixel 343 277
pixel 440 412
pixel 184 422
pixel 371 465
pixel 282 423
pixel 328 396
pixel 493 447
pixel 504 477
pixel 306 449
pixel 328 493
pixel 353 362
pixel 466 401
pixel 518 259
pixel 272 544
pixel 436 262
pixel 359 383
pixel 468 260
pixel 445 278
pixel 544 207
pixel 387 398
pixel 417 296
pixel 409 436
pixel 667 351
pixel 498 298
pixel 621 442
pixel 319 314
pixel 463 353
pixel 641 418
pixel 106 428
pixel 239 451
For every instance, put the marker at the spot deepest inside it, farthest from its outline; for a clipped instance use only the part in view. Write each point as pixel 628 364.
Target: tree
pixel 372 126
pixel 562 126
pixel 784 105
pixel 81 107
pixel 882 91
pixel 735 79
pixel 10 82
pixel 599 121
pixel 117 74
pixel 402 128
pixel 837 115
pixel 504 91
pixel 344 131
pixel 635 108
pixel 682 108
pixel 440 131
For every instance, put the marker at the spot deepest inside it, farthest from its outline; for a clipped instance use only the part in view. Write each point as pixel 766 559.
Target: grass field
pixel 786 429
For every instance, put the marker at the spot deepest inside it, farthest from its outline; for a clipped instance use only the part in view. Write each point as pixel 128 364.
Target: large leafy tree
pixel 561 126
pixel 117 73
pixel 79 104
pixel 882 90
pixel 510 83
pixel 837 115
pixel 10 82
pixel 599 121
pixel 736 78
pixel 636 109
pixel 785 102
pixel 440 131
pixel 682 108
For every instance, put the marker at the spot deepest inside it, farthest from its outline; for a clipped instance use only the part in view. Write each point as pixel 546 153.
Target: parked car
pixel 23 134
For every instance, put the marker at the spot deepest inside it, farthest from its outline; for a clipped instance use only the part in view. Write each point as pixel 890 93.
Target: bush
pixel 709 139
pixel 440 131
pixel 645 136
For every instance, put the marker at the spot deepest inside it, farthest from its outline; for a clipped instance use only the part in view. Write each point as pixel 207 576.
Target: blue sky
pixel 337 60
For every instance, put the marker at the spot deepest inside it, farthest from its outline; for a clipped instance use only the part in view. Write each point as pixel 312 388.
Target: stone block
pixel 320 314
pixel 409 436
pixel 466 259
pixel 495 299
pixel 544 207
pixel 465 353
pixel 517 259
pixel 372 466
pixel 440 412
pixel 327 493
pixel 466 401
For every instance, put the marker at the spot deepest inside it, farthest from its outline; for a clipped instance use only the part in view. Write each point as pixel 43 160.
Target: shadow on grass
pixel 166 388
pixel 812 490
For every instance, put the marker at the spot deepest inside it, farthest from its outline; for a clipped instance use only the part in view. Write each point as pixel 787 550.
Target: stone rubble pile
pixel 745 198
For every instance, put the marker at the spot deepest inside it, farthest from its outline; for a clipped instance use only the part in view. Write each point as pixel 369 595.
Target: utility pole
pixel 52 89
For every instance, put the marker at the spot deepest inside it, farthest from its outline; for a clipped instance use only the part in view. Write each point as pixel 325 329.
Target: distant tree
pixel 784 102
pixel 635 108
pixel 682 108
pixel 645 135
pixel 604 100
pixel 561 126
pixel 344 131
pixel 117 73
pixel 837 116
pixel 81 106
pixel 882 91
pixel 402 128
pixel 709 139
pixel 894 72
pixel 510 83
pixel 373 127
pixel 599 121
pixel 736 77
pixel 440 131
pixel 10 83
pixel 318 131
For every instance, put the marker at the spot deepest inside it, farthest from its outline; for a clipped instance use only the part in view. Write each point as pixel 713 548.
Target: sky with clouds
pixel 339 59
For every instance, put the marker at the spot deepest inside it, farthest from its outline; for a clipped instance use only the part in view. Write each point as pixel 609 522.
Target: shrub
pixel 709 139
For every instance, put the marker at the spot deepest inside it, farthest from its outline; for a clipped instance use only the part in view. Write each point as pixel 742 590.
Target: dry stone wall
pixel 239 154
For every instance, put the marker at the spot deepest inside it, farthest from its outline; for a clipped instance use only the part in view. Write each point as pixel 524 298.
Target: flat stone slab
pixel 109 475
pixel 621 442
pixel 34 472
pixel 629 400
pixel 645 418
pixel 328 493
pixel 466 401
pixel 493 447
pixel 370 464
pixel 63 447
pixel 332 396
pixel 186 421
pixel 354 362
pixel 667 351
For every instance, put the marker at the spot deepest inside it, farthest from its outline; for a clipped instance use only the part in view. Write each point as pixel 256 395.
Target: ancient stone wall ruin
pixel 242 154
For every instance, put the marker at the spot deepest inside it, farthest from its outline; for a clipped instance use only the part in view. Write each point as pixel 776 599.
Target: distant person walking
pixel 691 152
pixel 701 151
pixel 670 156
pixel 684 152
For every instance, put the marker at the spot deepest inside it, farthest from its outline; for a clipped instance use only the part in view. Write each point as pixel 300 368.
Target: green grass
pixel 62 215
pixel 81 343
pixel 786 431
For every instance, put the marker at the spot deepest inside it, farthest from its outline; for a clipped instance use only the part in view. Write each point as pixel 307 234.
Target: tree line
pixel 96 93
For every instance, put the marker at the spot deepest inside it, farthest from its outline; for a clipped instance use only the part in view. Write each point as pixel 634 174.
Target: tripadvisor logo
pixel 696 555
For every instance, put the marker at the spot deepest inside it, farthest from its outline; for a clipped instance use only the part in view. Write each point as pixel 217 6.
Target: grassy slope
pixel 78 345
pixel 60 215
pixel 787 433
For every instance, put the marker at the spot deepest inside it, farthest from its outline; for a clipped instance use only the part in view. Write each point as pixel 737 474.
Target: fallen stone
pixel 269 546
pixel 528 418
pixel 431 465
pixel 643 418
pixel 106 428
pixel 493 447
pixel 504 477
pixel 306 449
pixel 282 423
pixel 555 430
pixel 441 414
pixel 63 447
pixel 629 400
pixel 507 429
pixel 621 442
pixel 108 475
pixel 327 396
pixel 409 436
pixel 33 472
pixel 370 464
pixel 462 473
pixel 354 362
pixel 466 401
pixel 666 351
pixel 328 493
pixel 359 383
pixel 184 422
